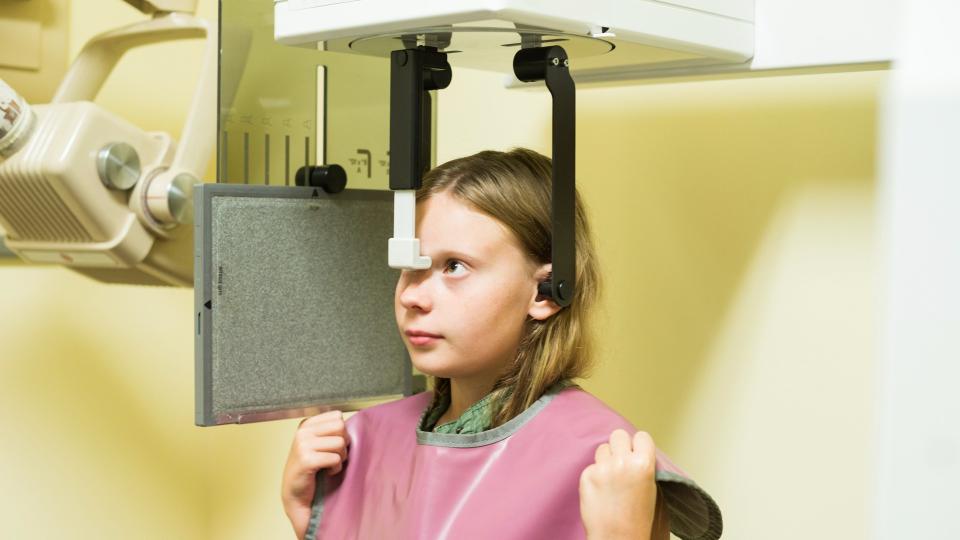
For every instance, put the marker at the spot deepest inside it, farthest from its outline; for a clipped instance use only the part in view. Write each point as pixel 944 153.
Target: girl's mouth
pixel 420 338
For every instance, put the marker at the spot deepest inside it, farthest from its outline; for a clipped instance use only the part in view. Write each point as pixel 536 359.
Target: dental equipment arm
pixel 552 65
pixel 86 189
pixel 413 73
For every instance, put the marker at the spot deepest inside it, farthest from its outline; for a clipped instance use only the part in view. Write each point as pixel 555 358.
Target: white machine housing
pixel 600 36
pixel 695 32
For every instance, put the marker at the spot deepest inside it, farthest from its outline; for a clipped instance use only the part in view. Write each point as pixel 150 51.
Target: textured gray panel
pixel 300 301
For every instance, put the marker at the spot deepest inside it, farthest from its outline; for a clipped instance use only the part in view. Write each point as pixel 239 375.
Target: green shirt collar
pixel 478 418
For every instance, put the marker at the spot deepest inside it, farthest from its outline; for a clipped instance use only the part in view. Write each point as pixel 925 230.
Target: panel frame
pixel 204 286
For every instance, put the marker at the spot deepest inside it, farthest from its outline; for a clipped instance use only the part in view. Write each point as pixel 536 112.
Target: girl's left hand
pixel 618 493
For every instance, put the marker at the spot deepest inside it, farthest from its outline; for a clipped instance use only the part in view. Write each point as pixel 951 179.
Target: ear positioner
pixel 416 70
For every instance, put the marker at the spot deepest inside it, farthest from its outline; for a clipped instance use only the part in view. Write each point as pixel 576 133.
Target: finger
pixel 332 443
pixel 644 455
pixel 321 418
pixel 643 443
pixel 330 427
pixel 586 477
pixel 335 469
pixel 619 443
pixel 603 453
pixel 310 438
pixel 314 461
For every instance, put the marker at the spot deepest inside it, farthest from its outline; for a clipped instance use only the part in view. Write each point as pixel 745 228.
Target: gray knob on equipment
pixel 118 166
pixel 180 197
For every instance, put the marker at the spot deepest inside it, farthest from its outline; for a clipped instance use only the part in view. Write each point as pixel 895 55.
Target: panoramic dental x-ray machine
pixel 291 316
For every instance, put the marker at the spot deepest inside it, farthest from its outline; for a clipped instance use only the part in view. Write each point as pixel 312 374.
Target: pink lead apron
pixel 517 481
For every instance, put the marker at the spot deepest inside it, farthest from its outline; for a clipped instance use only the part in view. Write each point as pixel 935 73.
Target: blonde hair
pixel 515 188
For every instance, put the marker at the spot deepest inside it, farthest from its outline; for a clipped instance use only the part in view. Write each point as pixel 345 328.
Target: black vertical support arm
pixel 550 64
pixel 413 73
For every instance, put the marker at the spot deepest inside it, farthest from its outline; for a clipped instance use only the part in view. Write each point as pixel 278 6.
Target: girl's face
pixel 464 316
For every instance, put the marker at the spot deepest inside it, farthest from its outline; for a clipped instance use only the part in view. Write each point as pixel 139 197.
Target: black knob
pixel 330 178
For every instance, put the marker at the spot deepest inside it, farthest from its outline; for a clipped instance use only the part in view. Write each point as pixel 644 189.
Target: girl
pixel 505 446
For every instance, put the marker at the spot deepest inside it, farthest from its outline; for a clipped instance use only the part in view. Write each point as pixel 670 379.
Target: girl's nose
pixel 414 291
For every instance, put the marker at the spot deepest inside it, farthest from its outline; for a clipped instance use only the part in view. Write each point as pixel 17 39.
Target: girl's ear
pixel 542 307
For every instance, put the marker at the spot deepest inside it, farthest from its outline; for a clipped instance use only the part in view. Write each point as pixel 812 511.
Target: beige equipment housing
pixel 84 188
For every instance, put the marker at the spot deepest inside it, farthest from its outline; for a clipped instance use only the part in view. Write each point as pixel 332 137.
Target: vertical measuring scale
pixel 274 113
pixel 269 97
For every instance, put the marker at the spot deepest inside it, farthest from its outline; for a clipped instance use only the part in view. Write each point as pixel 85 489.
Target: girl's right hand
pixel 320 443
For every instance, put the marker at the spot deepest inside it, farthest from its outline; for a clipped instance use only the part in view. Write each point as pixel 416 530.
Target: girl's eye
pixel 454 267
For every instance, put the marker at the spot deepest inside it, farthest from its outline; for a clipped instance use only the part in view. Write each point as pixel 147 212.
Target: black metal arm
pixel 416 71
pixel 413 73
pixel 551 64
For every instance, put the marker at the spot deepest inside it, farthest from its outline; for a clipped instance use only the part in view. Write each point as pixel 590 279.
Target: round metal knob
pixel 180 197
pixel 118 166
pixel 169 198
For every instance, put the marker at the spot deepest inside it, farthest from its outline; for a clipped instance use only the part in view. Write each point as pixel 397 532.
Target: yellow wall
pixel 735 225
pixel 50 49
pixel 96 381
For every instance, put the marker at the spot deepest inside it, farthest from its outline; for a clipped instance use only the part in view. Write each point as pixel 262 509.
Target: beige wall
pixel 48 47
pixel 96 381
pixel 735 220
pixel 735 225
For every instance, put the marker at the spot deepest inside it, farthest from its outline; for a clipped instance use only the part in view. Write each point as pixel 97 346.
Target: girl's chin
pixel 437 371
pixel 435 367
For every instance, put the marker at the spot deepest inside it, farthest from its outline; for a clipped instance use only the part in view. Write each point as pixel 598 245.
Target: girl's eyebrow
pixel 447 254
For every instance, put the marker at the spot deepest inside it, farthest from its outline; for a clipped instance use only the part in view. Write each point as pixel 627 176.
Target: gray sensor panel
pixel 294 303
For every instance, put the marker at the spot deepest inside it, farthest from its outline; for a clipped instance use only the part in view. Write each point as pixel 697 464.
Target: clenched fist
pixel 618 492
pixel 320 443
